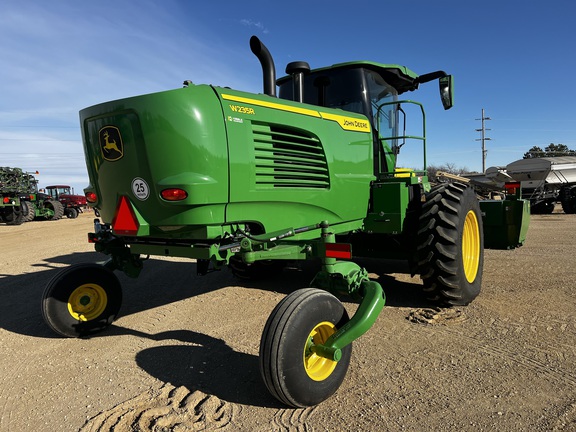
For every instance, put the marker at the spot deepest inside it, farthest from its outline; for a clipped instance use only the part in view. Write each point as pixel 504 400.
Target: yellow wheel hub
pixel 471 246
pixel 318 368
pixel 87 302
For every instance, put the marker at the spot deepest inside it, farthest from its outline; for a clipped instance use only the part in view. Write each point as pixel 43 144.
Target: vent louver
pixel 288 158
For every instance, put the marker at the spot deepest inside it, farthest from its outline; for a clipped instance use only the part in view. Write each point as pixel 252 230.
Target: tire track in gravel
pixel 170 408
pixel 537 325
pixel 534 325
pixel 567 420
pixel 293 420
pixel 11 394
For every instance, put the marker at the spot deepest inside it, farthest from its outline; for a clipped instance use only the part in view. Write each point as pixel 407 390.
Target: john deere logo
pixel 111 143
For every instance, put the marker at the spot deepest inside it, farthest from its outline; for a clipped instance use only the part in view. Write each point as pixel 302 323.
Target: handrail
pixel 404 136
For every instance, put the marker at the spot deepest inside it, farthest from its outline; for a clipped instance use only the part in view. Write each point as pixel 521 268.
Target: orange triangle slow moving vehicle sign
pixel 125 221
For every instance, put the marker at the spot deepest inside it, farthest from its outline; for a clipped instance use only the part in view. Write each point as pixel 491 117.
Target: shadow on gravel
pixel 398 293
pixel 208 364
pixel 204 363
pixel 403 294
pixel 160 283
pixel 20 295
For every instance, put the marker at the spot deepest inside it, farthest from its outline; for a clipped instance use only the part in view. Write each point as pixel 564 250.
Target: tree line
pixel 552 150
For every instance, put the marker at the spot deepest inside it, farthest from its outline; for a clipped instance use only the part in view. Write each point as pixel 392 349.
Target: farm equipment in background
pixel 505 215
pixel 12 210
pixel 73 204
pixel 21 201
pixel 544 181
pixel 42 207
pixel 253 181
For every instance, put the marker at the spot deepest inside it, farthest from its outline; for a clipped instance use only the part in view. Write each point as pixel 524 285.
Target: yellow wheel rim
pixel 87 302
pixel 318 368
pixel 471 246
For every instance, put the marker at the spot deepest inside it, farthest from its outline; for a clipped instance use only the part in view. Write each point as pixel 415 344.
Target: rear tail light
pixel 91 197
pixel 174 194
pixel 512 187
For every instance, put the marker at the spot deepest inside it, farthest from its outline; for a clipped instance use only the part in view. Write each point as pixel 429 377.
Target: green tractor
pixel 254 181
pixel 42 207
pixel 38 205
pixel 21 201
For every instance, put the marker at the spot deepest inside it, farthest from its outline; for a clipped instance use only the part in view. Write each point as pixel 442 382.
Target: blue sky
pixel 513 58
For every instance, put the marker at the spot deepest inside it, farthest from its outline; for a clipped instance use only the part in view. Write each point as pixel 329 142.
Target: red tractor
pixel 73 204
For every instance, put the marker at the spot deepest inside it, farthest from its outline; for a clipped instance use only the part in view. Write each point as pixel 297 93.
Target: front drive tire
pixel 451 245
pixel 291 371
pixel 81 299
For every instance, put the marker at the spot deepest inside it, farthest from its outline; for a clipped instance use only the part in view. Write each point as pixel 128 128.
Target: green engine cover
pixel 240 157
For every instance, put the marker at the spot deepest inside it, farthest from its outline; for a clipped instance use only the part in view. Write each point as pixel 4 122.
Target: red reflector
pixel 512 187
pixel 174 194
pixel 125 221
pixel 91 197
pixel 6 200
pixel 338 250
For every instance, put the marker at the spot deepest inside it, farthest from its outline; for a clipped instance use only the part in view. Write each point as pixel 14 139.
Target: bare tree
pixel 449 167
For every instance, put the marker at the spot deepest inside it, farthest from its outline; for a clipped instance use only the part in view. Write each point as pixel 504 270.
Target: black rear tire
pixel 31 212
pixel 16 215
pixel 291 371
pixel 71 213
pixel 543 207
pixel 81 299
pixel 56 207
pixel 451 245
pixel 568 200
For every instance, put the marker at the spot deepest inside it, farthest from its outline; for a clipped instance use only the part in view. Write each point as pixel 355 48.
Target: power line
pixel 483 129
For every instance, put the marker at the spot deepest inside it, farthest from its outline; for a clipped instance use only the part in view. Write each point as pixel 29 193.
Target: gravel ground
pixel 183 354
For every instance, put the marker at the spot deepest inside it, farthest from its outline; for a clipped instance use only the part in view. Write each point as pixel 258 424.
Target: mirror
pixel 447 91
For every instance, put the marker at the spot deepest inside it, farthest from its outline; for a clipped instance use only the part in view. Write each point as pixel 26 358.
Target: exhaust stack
pixel 268 68
pixel 298 69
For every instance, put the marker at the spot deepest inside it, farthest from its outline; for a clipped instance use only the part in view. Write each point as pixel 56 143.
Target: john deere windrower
pixel 254 181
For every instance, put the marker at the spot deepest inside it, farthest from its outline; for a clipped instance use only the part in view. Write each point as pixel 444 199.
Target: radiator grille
pixel 288 158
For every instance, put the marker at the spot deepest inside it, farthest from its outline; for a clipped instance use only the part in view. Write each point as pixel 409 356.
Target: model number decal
pixel 348 123
pixel 242 109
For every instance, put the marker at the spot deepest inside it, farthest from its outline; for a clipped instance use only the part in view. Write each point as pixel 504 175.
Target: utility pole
pixel 483 139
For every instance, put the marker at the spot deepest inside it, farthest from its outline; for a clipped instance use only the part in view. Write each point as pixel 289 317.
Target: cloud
pixel 64 56
pixel 256 24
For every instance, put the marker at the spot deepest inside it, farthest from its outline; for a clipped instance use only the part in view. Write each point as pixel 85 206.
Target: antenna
pixel 483 139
